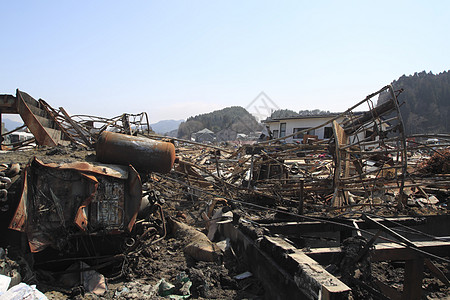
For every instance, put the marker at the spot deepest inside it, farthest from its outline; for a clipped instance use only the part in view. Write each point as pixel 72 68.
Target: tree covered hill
pixel 233 118
pixel 283 113
pixel 427 102
pixel 287 113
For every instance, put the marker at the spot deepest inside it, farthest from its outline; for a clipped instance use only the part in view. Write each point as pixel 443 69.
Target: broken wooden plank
pixel 436 271
pixel 311 278
pixel 295 228
pixel 278 283
pixel 412 285
pixel 341 139
pixel 315 279
pixel 387 251
pixel 387 290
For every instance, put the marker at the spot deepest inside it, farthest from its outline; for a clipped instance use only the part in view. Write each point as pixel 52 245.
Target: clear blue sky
pixel 175 59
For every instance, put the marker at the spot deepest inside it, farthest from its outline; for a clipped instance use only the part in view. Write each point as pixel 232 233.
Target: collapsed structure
pixel 310 214
pixel 52 127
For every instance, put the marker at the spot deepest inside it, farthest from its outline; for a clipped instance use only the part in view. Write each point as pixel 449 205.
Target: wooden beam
pixel 278 283
pixel 311 278
pixel 436 271
pixel 387 290
pixel 286 272
pixel 295 228
pixel 342 164
pixel 387 251
pixel 314 277
pixel 412 285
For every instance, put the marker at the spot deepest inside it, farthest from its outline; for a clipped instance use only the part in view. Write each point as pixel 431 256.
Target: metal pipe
pixel 142 153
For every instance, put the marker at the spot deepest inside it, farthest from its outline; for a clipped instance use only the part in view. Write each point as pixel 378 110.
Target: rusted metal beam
pixel 8 104
pixel 75 127
pixel 33 124
pixel 191 142
pixel 368 116
pixel 53 117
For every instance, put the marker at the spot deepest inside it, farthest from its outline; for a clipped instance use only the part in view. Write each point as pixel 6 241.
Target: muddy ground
pixel 432 288
pixel 167 260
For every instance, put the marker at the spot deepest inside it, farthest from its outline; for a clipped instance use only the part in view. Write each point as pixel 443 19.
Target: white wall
pixel 301 123
pixel 314 122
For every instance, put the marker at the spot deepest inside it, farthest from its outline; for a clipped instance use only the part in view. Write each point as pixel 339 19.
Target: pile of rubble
pixel 134 215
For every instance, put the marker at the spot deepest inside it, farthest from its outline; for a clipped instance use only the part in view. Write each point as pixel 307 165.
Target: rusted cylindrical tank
pixel 142 153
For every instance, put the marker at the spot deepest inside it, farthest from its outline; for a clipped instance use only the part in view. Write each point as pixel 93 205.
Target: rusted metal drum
pixel 142 153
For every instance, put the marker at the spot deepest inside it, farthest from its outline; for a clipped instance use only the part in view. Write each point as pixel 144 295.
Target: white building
pixel 281 127
pixel 285 126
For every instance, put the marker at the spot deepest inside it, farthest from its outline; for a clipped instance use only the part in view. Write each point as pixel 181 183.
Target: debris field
pixel 97 208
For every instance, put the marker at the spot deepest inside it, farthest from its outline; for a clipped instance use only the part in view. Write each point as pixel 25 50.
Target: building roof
pixel 301 117
pixel 330 115
pixel 204 130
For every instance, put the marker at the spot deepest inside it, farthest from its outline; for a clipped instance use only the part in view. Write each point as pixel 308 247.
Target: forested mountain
pixel 233 118
pixel 427 102
pixel 314 112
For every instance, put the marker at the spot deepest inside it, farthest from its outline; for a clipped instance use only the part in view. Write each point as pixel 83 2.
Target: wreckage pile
pixel 142 216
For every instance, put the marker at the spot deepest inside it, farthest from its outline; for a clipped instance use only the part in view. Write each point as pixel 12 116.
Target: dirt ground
pixel 392 273
pixel 167 260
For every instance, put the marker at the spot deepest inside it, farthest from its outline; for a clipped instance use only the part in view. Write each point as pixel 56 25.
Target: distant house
pixel 281 127
pixel 204 135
